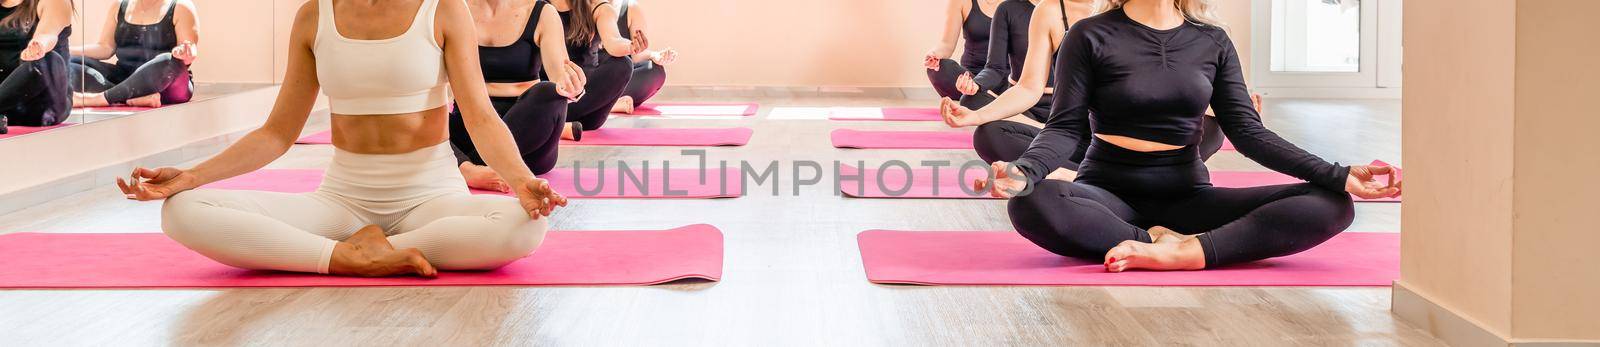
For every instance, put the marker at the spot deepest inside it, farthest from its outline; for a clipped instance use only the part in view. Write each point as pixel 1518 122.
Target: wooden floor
pixel 792 272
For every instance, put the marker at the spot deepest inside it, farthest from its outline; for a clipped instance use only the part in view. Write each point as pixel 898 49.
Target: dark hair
pixel 581 29
pixel 25 15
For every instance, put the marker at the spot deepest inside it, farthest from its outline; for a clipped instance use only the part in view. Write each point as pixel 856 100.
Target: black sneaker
pixel 3 122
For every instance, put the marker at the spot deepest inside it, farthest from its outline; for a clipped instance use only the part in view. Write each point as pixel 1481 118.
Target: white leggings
pixel 419 199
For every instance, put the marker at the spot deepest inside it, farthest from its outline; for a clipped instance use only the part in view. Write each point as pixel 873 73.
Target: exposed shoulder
pixel 184 6
pixel 304 30
pixel 306 16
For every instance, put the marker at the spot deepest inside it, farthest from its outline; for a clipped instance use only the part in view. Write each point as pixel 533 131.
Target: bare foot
pixel 152 100
pixel 89 100
pixel 1131 255
pixel 369 254
pixel 624 105
pixel 484 178
pixel 1163 235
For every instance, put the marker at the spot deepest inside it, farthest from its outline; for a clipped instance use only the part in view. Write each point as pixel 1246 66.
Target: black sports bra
pixel 976 30
pixel 583 54
pixel 518 61
pixel 137 44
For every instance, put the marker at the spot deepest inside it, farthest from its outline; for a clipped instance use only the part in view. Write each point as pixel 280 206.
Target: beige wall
pixel 1456 244
pixel 858 43
pixel 1555 275
pixel 1499 164
pixel 236 37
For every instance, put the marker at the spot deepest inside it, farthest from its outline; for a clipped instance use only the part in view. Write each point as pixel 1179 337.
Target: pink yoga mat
pixel 1005 258
pixel 697 109
pixel 874 139
pixel 697 137
pixel 918 183
pixel 1227 145
pixel 151 260
pixel 890 114
pixel 321 138
pixel 14 130
pixel 684 183
pixel 1244 179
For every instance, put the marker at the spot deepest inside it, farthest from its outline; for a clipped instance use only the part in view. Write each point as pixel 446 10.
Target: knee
pixel 164 58
pixel 1035 216
pixel 613 69
pixel 179 215
pixel 986 138
pixel 1335 210
pixel 543 92
pixel 513 236
pixel 977 101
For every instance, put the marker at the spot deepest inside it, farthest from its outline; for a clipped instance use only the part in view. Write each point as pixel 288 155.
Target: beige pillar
pixel 1502 102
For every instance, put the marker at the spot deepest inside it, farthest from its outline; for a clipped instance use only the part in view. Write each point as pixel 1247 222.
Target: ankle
pixel 1191 255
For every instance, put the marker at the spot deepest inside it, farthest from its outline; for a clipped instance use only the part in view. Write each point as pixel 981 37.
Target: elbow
pixel 620 48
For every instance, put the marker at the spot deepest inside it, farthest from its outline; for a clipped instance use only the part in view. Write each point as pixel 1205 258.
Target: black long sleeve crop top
pixel 1124 78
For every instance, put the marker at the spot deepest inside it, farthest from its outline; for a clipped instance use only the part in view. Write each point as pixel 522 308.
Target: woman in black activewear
pixel 968 19
pixel 1142 197
pixel 1008 124
pixel 591 27
pixel 33 62
pixel 516 39
pixel 649 66
pixel 154 41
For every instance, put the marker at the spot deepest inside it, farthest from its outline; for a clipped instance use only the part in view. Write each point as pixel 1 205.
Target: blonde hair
pixel 1199 11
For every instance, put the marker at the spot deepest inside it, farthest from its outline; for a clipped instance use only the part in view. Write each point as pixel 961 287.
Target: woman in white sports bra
pixel 392 201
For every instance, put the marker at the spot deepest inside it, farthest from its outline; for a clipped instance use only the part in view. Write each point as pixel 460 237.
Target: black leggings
pixel 163 74
pixel 944 80
pixel 606 83
pixel 983 98
pixel 1119 193
pixel 35 93
pixel 646 82
pixel 1006 140
pixel 535 120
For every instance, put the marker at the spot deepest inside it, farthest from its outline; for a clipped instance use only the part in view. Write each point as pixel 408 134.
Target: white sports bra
pixel 403 74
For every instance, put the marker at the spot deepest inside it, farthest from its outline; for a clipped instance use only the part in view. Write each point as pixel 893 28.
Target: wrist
pixel 519 180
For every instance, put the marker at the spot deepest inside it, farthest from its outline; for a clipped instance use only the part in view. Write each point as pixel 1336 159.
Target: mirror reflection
pixel 34 50
pixel 69 62
pixel 139 55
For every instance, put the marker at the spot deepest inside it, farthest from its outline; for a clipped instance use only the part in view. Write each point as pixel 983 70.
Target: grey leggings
pixel 163 74
pixel 35 93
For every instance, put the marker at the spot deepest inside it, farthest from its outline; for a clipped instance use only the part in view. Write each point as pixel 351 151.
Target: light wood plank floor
pixel 792 272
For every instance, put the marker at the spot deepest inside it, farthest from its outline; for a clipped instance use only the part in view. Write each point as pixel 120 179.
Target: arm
pixel 551 38
pixel 1035 73
pixel 54 15
pixel 996 70
pixel 261 146
pixel 289 112
pixel 636 23
pixel 1069 118
pixel 952 31
pixel 1236 113
pixel 605 18
pixel 187 25
pixel 489 134
pixel 107 45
